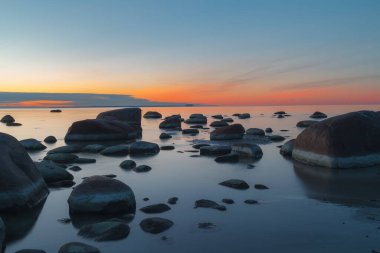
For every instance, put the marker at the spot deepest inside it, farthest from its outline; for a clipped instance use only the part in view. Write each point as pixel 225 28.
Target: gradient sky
pixel 235 52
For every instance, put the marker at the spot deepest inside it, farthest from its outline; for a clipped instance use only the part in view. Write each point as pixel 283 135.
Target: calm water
pixel 305 209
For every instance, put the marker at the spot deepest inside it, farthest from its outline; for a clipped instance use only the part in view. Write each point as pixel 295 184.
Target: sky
pixel 224 52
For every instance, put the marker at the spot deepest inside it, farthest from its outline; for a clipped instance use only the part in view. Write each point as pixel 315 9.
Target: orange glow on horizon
pixel 39 103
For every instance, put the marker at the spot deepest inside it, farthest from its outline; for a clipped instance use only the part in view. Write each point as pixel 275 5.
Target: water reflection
pixel 78 220
pixel 354 187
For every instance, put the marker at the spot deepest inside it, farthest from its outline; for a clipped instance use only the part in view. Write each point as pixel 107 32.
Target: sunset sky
pixel 235 52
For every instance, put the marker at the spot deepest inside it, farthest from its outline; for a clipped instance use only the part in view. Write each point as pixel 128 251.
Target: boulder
pixel 144 148
pixel 101 130
pixel 152 115
pixel 232 132
pixel 93 148
pixel 99 194
pixel 53 173
pixel 228 120
pixel 306 123
pixel 7 119
pixel 156 208
pixel 215 150
pixel 171 122
pixel 268 130
pixel 130 116
pixel 318 115
pixel 155 225
pixel 78 247
pixel 255 131
pixel 287 148
pixel 165 136
pixel 244 116
pixel 22 185
pixel 117 150
pixel 236 184
pixel 196 119
pixel 219 124
pixel 50 139
pixel 248 150
pixel 105 231
pixel 346 141
pixel 128 164
pixel 217 116
pixel 32 144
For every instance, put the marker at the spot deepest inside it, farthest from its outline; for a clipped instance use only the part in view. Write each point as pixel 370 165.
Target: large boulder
pixel 345 141
pixel 100 130
pixel 232 132
pixel 171 122
pixel 53 174
pixel 21 184
pixel 99 194
pixel 131 116
pixel 7 119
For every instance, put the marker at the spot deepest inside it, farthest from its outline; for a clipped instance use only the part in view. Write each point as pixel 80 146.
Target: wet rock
pixel 287 148
pixel 7 119
pixel 30 251
pixel 97 130
pixel 78 247
pixel 228 120
pixel 219 124
pixel 232 132
pixel 128 164
pixel 248 150
pixel 350 140
pixel 306 123
pixel 251 201
pixel 198 146
pixel 255 131
pixel 261 187
pixel 53 173
pixel 164 136
pixel 61 158
pixel 152 115
pixel 236 184
pixel 205 203
pixel 142 168
pixel 156 208
pixel 130 116
pixel 93 148
pixel 82 160
pixel 172 201
pixel 32 144
pixel 268 130
pixel 228 201
pixel 56 110
pixel 198 126
pixel 50 139
pixel 190 131
pixel 12 124
pixel 171 122
pixel 144 148
pixel 196 119
pixel 98 194
pixel 22 186
pixel 105 231
pixel 206 225
pixel 276 138
pixel 66 149
pixel 218 116
pixel 230 158
pixel 117 150
pixel 75 168
pixel 318 115
pixel 215 150
pixel 169 147
pixel 155 225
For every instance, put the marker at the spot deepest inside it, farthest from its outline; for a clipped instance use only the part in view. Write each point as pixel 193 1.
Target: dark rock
pixel 244 116
pixel 236 184
pixel 268 130
pixel 228 201
pixel 236 114
pixel 32 144
pixel 130 116
pixel 280 116
pixel 78 247
pixel 346 141
pixel 318 115
pixel 101 130
pixel 248 150
pixel 198 146
pixel 62 184
pixel 155 225
pixel 61 158
pixel 105 231
pixel 142 168
pixel 231 158
pixel 276 138
pixel 232 132
pixel 50 139
pixel 261 187
pixel 75 168
pixel 218 116
pixel 196 119
pixel 98 194
pixel 164 136
pixel 110 175
pixel 30 251
pixel 215 150
pixel 66 149
pixel 12 124
pixel 172 201
pixel 197 126
pixel 280 113
pixel 255 131
pixel 144 148
pixel 82 160
pixel 93 148
pixel 287 148
pixel 190 131
pixel 205 203
pixel 167 147
pixel 2 235
pixel 228 120
pixel 117 150
pixel 146 199
pixel 22 186
pixel 56 110
pixel 306 123
pixel 156 208
pixel 251 201
pixel 250 166
pixel 171 122
pixel 206 225
pixel 152 115
pixel 128 165
pixel 7 119
pixel 53 173
pixel 218 124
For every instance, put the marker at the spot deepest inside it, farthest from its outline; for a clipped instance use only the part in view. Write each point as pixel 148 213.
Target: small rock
pixel 50 139
pixel 105 231
pixel 190 131
pixel 144 148
pixel 260 187
pixel 205 203
pixel 146 199
pixel 251 201
pixel 218 116
pixel 142 168
pixel 206 225
pixel 12 124
pixel 155 225
pixel 7 119
pixel 156 208
pixel 287 148
pixel 30 251
pixel 318 115
pixel 244 116
pixel 276 138
pixel 236 184
pixel 164 136
pixel 268 130
pixel 172 201
pixel 215 150
pixel 152 115
pixel 75 168
pixel 32 144
pixel 93 148
pixel 56 110
pixel 64 220
pixel 78 247
pixel 306 123
pixel 117 150
pixel 219 124
pixel 228 120
pixel 82 160
pixel 255 131
pixel 61 158
pixel 228 201
pixel 169 147
pixel 248 150
pixel 128 164
pixel 66 149
pixel 198 146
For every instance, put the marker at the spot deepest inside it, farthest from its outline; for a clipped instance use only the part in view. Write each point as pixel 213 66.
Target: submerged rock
pixel 156 208
pixel 248 150
pixel 56 110
pixel 105 231
pixel 318 115
pixel 144 148
pixel 236 184
pixel 172 200
pixel 251 201
pixel 228 201
pixel 78 247
pixel 261 187
pixel 346 141
pixel 32 144
pixel 206 203
pixel 232 132
pixel 206 225
pixel 11 124
pixel 50 139
pixel 7 119
pixel 98 194
pixel 152 115
pixel 155 225
pixel 22 186
pixel 287 148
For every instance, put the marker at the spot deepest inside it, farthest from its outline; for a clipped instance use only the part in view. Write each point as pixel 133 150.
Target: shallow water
pixel 305 210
